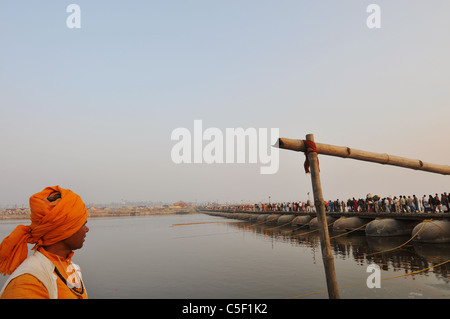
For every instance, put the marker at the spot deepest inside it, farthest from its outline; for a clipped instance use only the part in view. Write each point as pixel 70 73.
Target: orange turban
pixel 51 222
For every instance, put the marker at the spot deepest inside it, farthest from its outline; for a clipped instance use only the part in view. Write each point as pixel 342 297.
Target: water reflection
pixel 365 250
pixel 216 257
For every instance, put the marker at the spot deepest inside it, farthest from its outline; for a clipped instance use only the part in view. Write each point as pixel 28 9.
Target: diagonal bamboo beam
pixel 347 152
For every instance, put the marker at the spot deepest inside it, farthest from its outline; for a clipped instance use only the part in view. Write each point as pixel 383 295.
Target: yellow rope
pixel 351 230
pixel 418 271
pixel 362 283
pixel 296 235
pixel 293 230
pixel 258 224
pixel 187 224
pixel 291 236
pixel 358 284
pixel 424 222
pixel 279 226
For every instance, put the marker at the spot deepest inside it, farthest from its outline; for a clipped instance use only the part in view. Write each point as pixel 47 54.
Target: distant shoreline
pixel 113 212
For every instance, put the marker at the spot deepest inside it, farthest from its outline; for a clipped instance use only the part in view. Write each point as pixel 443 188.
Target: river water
pixel 197 256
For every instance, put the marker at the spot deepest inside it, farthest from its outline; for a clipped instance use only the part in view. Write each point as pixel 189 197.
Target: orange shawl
pixel 51 222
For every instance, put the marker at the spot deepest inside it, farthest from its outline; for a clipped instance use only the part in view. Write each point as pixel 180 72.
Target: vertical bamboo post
pixel 327 254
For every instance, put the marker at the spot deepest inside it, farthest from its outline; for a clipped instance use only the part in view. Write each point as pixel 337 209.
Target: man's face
pixel 76 240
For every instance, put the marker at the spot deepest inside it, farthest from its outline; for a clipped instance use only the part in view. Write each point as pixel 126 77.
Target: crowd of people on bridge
pixel 370 204
pixel 392 204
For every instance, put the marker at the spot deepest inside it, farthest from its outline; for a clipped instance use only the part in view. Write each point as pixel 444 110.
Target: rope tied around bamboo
pixel 310 148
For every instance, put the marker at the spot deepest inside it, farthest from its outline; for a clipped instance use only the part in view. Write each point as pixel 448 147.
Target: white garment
pixel 40 267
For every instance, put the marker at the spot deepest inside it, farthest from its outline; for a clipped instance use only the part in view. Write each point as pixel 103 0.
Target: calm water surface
pixel 152 257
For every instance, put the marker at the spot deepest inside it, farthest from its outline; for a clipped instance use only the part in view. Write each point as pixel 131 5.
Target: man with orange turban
pixel 58 227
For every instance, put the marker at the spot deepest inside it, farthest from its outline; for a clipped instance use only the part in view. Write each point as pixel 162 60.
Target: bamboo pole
pixel 344 152
pixel 347 152
pixel 327 254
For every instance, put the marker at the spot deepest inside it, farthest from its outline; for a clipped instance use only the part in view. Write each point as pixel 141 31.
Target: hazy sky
pixel 93 108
